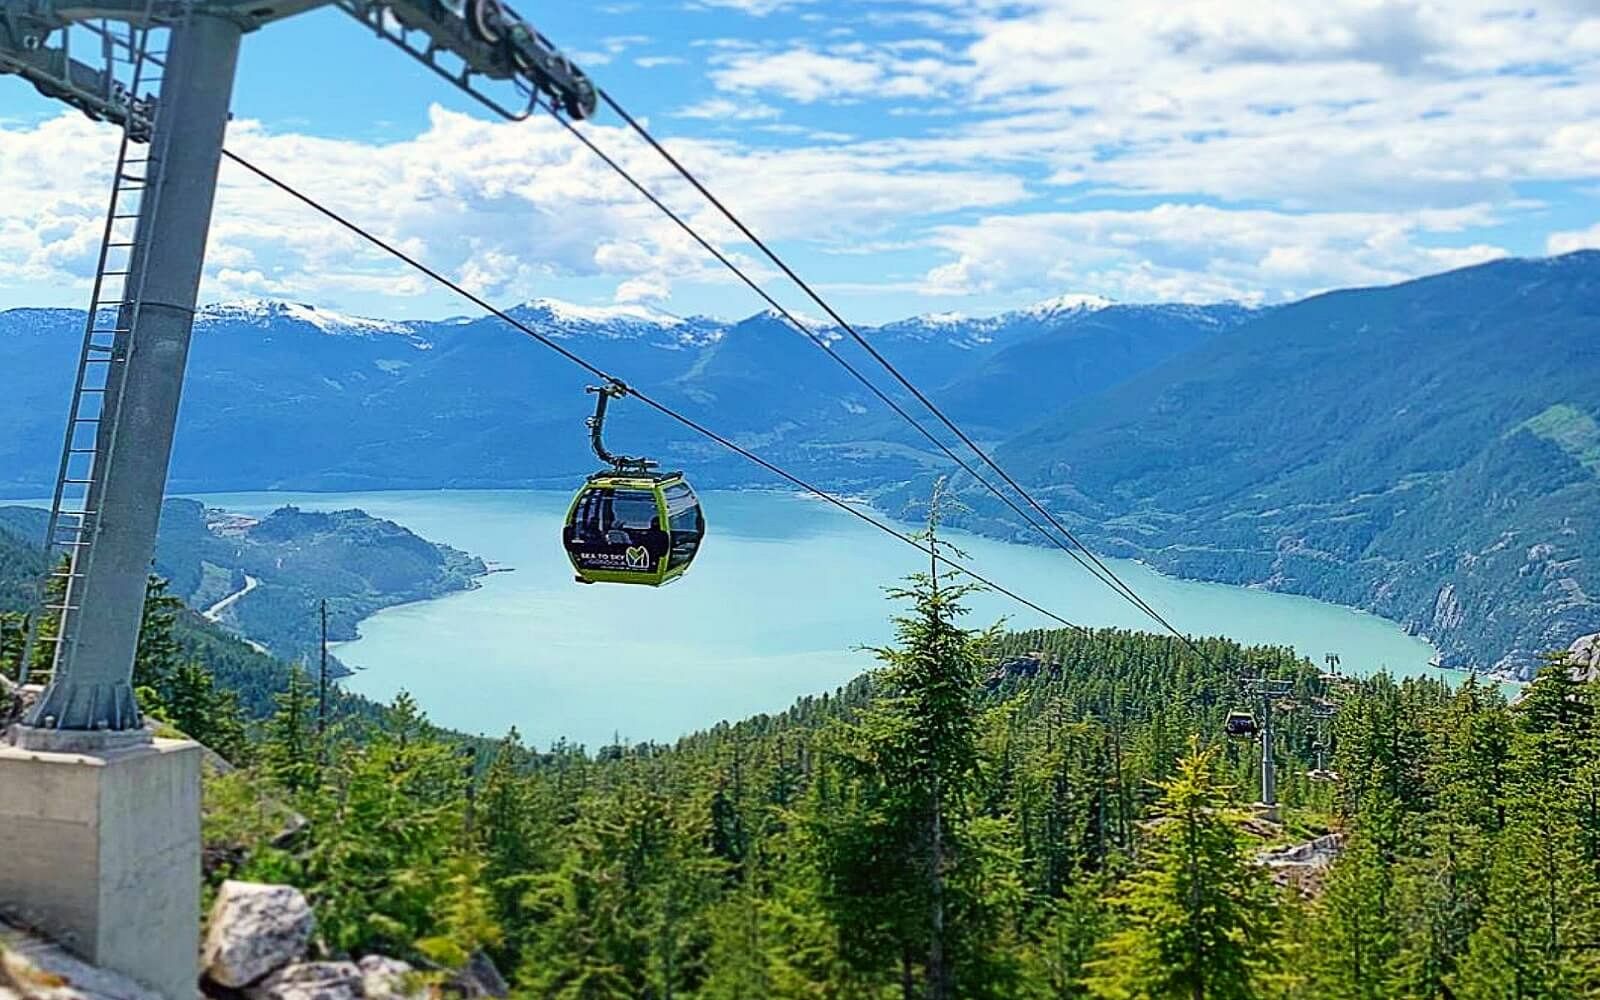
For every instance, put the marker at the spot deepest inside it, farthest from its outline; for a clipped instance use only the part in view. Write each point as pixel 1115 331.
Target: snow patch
pixel 327 320
pixel 817 324
pixel 1071 303
pixel 567 312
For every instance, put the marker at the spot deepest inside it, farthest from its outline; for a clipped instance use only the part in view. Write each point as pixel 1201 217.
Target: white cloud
pixel 755 8
pixel 1141 149
pixel 503 207
pixel 723 109
pixel 1344 103
pixel 1580 239
pixel 642 290
pixel 800 75
pixel 1187 252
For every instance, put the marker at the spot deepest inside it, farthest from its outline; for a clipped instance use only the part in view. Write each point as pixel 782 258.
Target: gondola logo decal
pixel 638 557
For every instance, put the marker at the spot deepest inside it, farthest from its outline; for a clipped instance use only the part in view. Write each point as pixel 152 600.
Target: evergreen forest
pixel 984 814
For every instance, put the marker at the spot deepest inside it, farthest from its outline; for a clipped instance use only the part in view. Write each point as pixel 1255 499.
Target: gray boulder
pixel 15 700
pixel 384 978
pixel 255 929
pixel 1583 656
pixel 479 979
pixel 312 981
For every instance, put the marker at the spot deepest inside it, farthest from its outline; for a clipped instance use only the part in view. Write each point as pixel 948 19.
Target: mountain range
pixel 1427 450
pixel 328 401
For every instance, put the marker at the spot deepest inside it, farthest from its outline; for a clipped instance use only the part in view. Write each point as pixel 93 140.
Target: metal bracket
pixel 96 91
pixel 492 42
pixel 613 389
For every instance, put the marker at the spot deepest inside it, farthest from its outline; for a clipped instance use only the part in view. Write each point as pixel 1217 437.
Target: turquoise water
pixel 783 594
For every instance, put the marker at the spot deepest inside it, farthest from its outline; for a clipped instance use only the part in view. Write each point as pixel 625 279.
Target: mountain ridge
pixel 1370 446
pixel 1389 448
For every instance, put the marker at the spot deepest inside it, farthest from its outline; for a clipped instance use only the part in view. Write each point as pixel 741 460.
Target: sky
pixel 907 156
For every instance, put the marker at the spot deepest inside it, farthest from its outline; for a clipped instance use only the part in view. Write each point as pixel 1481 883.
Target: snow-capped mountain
pixel 293 394
pixel 1339 447
pixel 265 313
pixel 629 321
pixel 1066 305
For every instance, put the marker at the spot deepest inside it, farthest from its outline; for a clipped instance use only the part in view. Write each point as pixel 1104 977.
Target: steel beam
pixel 92 685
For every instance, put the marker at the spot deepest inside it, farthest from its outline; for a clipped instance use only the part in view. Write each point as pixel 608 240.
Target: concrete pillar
pixel 101 852
pixel 91 688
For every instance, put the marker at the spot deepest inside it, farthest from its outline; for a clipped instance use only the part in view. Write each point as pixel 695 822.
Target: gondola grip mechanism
pixel 596 425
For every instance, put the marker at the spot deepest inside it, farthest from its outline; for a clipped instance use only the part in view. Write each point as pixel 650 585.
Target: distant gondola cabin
pixel 1241 724
pixel 633 527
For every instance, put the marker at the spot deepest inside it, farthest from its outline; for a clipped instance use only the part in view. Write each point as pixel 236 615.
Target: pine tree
pixel 463 919
pixel 198 708
pixel 516 832
pixel 1537 937
pixel 625 914
pixel 47 624
pixel 1356 928
pixel 13 641
pixel 1073 924
pixel 387 824
pixel 291 753
pixel 890 850
pixel 1197 918
pixel 159 654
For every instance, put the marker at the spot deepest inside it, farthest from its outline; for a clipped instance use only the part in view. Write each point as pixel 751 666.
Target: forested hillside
pixel 1035 815
pixel 1426 451
pixel 174 640
pixel 1043 814
pixel 266 577
pixel 297 558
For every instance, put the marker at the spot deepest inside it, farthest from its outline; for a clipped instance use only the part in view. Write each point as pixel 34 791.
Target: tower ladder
pixel 114 306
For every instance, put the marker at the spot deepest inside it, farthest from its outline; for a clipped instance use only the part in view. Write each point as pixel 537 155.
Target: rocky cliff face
pixel 1584 656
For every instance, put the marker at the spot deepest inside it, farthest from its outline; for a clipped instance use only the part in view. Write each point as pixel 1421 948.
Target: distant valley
pixel 264 578
pixel 1428 451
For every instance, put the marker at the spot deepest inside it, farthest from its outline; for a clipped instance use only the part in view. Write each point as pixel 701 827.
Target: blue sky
pixel 908 155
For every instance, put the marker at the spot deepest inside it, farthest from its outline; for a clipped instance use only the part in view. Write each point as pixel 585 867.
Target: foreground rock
pixel 479 979
pixel 312 981
pixel 1303 865
pixel 1584 657
pixel 254 949
pixel 384 978
pixel 254 930
pixel 15 700
pixel 34 969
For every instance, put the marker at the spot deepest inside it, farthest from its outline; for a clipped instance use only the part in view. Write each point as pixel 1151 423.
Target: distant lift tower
pixel 1268 691
pixel 164 70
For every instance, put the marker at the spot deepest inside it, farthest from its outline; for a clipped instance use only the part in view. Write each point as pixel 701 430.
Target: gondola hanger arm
pixel 613 388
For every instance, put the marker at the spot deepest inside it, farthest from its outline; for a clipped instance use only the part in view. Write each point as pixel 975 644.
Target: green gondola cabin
pixel 633 527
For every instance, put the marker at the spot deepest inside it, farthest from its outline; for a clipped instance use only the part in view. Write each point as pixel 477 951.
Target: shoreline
pixel 494 566
pixel 1019 538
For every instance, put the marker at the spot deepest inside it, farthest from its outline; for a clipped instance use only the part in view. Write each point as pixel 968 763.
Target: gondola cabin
pixel 633 527
pixel 1240 724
